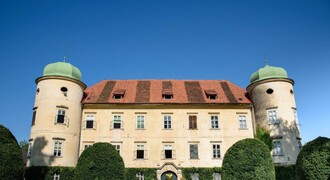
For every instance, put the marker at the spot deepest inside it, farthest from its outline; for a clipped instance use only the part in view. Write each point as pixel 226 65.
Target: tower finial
pixel 266 60
pixel 64 60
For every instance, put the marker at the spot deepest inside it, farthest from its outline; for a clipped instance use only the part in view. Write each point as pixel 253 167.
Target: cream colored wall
pixel 155 137
pixel 284 102
pixel 45 130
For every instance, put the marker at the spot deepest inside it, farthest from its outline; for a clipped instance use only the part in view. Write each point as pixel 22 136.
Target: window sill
pixel 89 128
pixel 194 159
pixel 243 129
pixel 217 158
pixel 168 129
pixel 57 156
pixel 193 129
pixel 140 129
pixel 214 128
pixel 278 155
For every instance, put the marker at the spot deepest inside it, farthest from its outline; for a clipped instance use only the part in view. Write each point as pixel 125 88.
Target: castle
pixel 162 124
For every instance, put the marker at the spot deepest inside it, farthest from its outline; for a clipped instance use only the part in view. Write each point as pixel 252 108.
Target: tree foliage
pixel 24 145
pixel 100 161
pixel 313 161
pixel 248 159
pixel 11 160
pixel 264 135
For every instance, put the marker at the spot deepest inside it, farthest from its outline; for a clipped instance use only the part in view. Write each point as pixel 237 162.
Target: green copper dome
pixel 62 69
pixel 268 72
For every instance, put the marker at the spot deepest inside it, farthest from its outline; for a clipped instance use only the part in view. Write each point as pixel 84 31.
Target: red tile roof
pixel 152 91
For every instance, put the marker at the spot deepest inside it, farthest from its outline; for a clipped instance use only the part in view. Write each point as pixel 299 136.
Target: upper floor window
pixel 167 122
pixel 34 117
pixel 60 117
pixel 193 151
pixel 299 144
pixel 117 146
pixel 117 123
pixel 140 122
pixel 58 147
pixel 90 122
pixel 277 149
pixel 214 122
pixel 211 94
pixel 29 149
pixel 119 94
pixel 167 94
pixel 87 146
pixel 295 116
pixel 140 151
pixel 216 150
pixel 168 151
pixel 272 116
pixel 192 122
pixel 242 121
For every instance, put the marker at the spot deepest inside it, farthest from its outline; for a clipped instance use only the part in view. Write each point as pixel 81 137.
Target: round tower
pixel 56 121
pixel 271 92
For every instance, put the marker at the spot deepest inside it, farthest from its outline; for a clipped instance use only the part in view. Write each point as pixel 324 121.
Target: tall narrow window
pixel 242 121
pixel 214 122
pixel 60 117
pixel 56 176
pixel 167 122
pixel 34 117
pixel 295 116
pixel 193 151
pixel 117 122
pixel 57 151
pixel 299 144
pixel 192 122
pixel 90 122
pixel 168 151
pixel 277 149
pixel 216 176
pixel 140 122
pixel 140 151
pixel 29 149
pixel 272 116
pixel 139 176
pixel 216 151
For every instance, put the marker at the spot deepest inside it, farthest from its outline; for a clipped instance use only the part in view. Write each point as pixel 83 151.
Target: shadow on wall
pixel 38 158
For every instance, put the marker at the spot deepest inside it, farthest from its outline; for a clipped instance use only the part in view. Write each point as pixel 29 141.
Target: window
pixel 214 122
pixel 29 149
pixel 116 122
pixel 90 122
pixel 272 116
pixel 56 176
pixel 168 151
pixel 167 122
pixel 140 122
pixel 60 117
pixel 211 94
pixel 139 176
pixel 277 149
pixel 57 151
pixel 167 94
pixel 87 146
pixel 192 122
pixel 194 176
pixel 216 176
pixel 117 146
pixel 34 117
pixel 295 116
pixel 64 91
pixel 193 151
pixel 140 151
pixel 216 150
pixel 119 94
pixel 242 121
pixel 299 144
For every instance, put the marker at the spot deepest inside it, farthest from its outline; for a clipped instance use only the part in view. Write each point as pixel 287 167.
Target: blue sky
pixel 169 39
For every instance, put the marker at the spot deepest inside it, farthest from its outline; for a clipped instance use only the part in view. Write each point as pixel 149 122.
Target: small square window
pixel 167 94
pixel 119 94
pixel 211 94
pixel 60 117
pixel 90 122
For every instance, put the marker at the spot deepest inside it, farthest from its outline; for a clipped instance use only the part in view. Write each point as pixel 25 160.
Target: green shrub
pixel 148 173
pixel 46 172
pixel 203 173
pixel 313 161
pixel 248 159
pixel 11 160
pixel 264 135
pixel 100 161
pixel 285 172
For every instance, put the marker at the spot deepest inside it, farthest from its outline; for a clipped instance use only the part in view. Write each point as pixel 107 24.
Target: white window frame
pixel 194 176
pixel 139 176
pixel 242 121
pixel 56 176
pixel 117 119
pixel 140 122
pixel 216 176
pixel 29 149
pixel 90 118
pixel 277 148
pixel 58 148
pixel 140 147
pixel 214 121
pixel 61 112
pixel 216 151
pixel 272 116
pixel 295 116
pixel 190 154
pixel 87 145
pixel 167 120
pixel 117 147
pixel 168 147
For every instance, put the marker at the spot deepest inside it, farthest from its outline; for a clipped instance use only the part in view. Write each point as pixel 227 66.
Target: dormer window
pixel 167 94
pixel 119 94
pixel 211 94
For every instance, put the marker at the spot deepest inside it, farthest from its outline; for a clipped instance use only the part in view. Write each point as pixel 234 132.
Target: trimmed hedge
pixel 313 161
pixel 148 173
pixel 248 159
pixel 285 172
pixel 203 173
pixel 264 135
pixel 47 172
pixel 11 161
pixel 100 161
